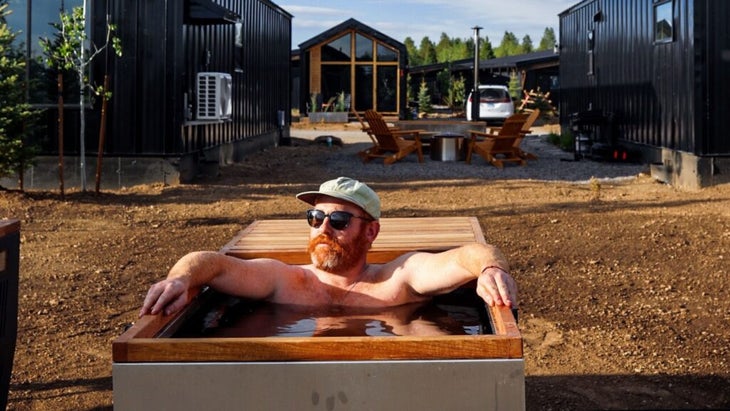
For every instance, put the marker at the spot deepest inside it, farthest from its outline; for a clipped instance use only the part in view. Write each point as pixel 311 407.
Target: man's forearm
pixel 477 258
pixel 197 268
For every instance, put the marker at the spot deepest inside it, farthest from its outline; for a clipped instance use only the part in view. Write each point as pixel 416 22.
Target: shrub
pixel 455 96
pixel 564 140
pixel 424 99
pixel 16 116
pixel 567 141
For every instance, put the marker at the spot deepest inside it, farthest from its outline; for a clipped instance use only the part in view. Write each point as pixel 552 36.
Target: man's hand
pixel 497 287
pixel 168 297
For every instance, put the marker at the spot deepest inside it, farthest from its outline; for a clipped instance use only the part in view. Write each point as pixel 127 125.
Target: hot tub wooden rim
pixel 141 344
pixel 365 348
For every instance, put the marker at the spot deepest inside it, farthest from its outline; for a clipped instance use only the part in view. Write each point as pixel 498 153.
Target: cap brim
pixel 310 197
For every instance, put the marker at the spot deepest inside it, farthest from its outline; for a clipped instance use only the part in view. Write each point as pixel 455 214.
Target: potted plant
pixel 334 111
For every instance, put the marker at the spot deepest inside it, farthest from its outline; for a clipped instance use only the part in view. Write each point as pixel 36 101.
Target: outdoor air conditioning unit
pixel 214 96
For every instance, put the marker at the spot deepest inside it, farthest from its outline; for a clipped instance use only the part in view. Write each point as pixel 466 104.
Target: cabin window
pixel 387 54
pixel 663 22
pixel 238 36
pixel 387 91
pixel 591 43
pixel 337 50
pixel 360 66
pixel 364 47
pixel 238 51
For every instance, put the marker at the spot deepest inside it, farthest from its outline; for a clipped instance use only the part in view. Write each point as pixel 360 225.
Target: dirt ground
pixel 623 285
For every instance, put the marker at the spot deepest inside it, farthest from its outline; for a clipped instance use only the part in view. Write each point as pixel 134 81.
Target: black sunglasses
pixel 339 220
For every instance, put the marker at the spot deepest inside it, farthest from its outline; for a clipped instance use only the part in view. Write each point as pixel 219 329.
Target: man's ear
pixel 372 231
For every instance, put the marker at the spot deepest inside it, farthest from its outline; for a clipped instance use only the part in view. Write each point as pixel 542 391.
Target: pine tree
pixel 509 46
pixel 428 51
pixel 485 49
pixel 424 99
pixel 414 58
pixel 548 40
pixel 527 46
pixel 16 116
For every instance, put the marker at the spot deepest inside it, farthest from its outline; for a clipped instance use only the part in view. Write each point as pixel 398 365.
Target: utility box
pixel 214 96
pixel 9 263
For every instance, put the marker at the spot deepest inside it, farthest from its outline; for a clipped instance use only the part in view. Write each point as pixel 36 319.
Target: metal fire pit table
pixel 448 147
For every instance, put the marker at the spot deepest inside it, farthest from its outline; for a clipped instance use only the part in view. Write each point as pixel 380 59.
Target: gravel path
pixel 553 164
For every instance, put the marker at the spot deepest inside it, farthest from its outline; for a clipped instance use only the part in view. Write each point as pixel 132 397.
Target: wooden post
pixel 102 133
pixel 475 98
pixel 60 132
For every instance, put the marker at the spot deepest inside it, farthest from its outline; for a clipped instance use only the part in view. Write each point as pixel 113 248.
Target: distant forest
pixel 451 49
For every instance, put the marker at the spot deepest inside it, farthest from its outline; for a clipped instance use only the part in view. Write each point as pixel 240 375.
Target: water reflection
pixel 239 318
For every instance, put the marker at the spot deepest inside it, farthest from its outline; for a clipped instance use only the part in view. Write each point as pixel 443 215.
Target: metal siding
pixel 577 90
pixel 122 121
pixel 173 100
pixel 152 86
pixel 162 57
pixel 138 119
pixel 713 107
pixel 663 95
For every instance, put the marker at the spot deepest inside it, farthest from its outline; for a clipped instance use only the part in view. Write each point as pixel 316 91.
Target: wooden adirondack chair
pixel 499 148
pixel 389 143
pixel 364 127
pixel 526 128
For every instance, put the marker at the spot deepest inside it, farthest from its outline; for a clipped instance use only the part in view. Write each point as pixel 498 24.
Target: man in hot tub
pixel 344 224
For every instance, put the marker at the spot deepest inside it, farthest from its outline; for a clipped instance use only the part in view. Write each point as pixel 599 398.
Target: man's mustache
pixel 326 240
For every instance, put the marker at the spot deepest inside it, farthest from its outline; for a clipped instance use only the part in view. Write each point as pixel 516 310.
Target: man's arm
pixel 439 273
pixel 245 278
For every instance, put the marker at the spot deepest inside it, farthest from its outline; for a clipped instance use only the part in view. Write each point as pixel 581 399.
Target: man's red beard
pixel 336 257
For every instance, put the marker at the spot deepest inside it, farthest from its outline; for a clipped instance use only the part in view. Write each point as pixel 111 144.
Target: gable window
pixel 337 50
pixel 364 48
pixel 362 67
pixel 387 54
pixel 663 22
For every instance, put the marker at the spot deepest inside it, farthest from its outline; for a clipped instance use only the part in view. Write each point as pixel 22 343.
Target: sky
pixel 410 18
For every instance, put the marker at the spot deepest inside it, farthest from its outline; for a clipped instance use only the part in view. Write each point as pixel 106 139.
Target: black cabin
pixel 199 83
pixel 653 74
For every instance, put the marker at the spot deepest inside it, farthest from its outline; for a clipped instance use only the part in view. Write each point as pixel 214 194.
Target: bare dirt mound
pixel 623 284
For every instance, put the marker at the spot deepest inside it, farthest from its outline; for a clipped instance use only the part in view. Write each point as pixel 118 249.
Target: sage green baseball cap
pixel 348 189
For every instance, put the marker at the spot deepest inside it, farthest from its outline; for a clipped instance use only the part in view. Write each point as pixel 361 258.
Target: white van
pixel 495 103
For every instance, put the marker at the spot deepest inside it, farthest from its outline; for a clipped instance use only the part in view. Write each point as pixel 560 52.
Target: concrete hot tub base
pixel 321 385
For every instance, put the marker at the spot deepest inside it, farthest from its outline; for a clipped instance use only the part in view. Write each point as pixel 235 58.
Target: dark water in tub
pixel 231 317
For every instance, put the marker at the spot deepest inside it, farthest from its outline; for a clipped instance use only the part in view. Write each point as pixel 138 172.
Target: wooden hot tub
pixel 153 368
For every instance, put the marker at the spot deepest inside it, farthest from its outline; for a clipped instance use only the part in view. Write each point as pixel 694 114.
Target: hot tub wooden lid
pixel 286 240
